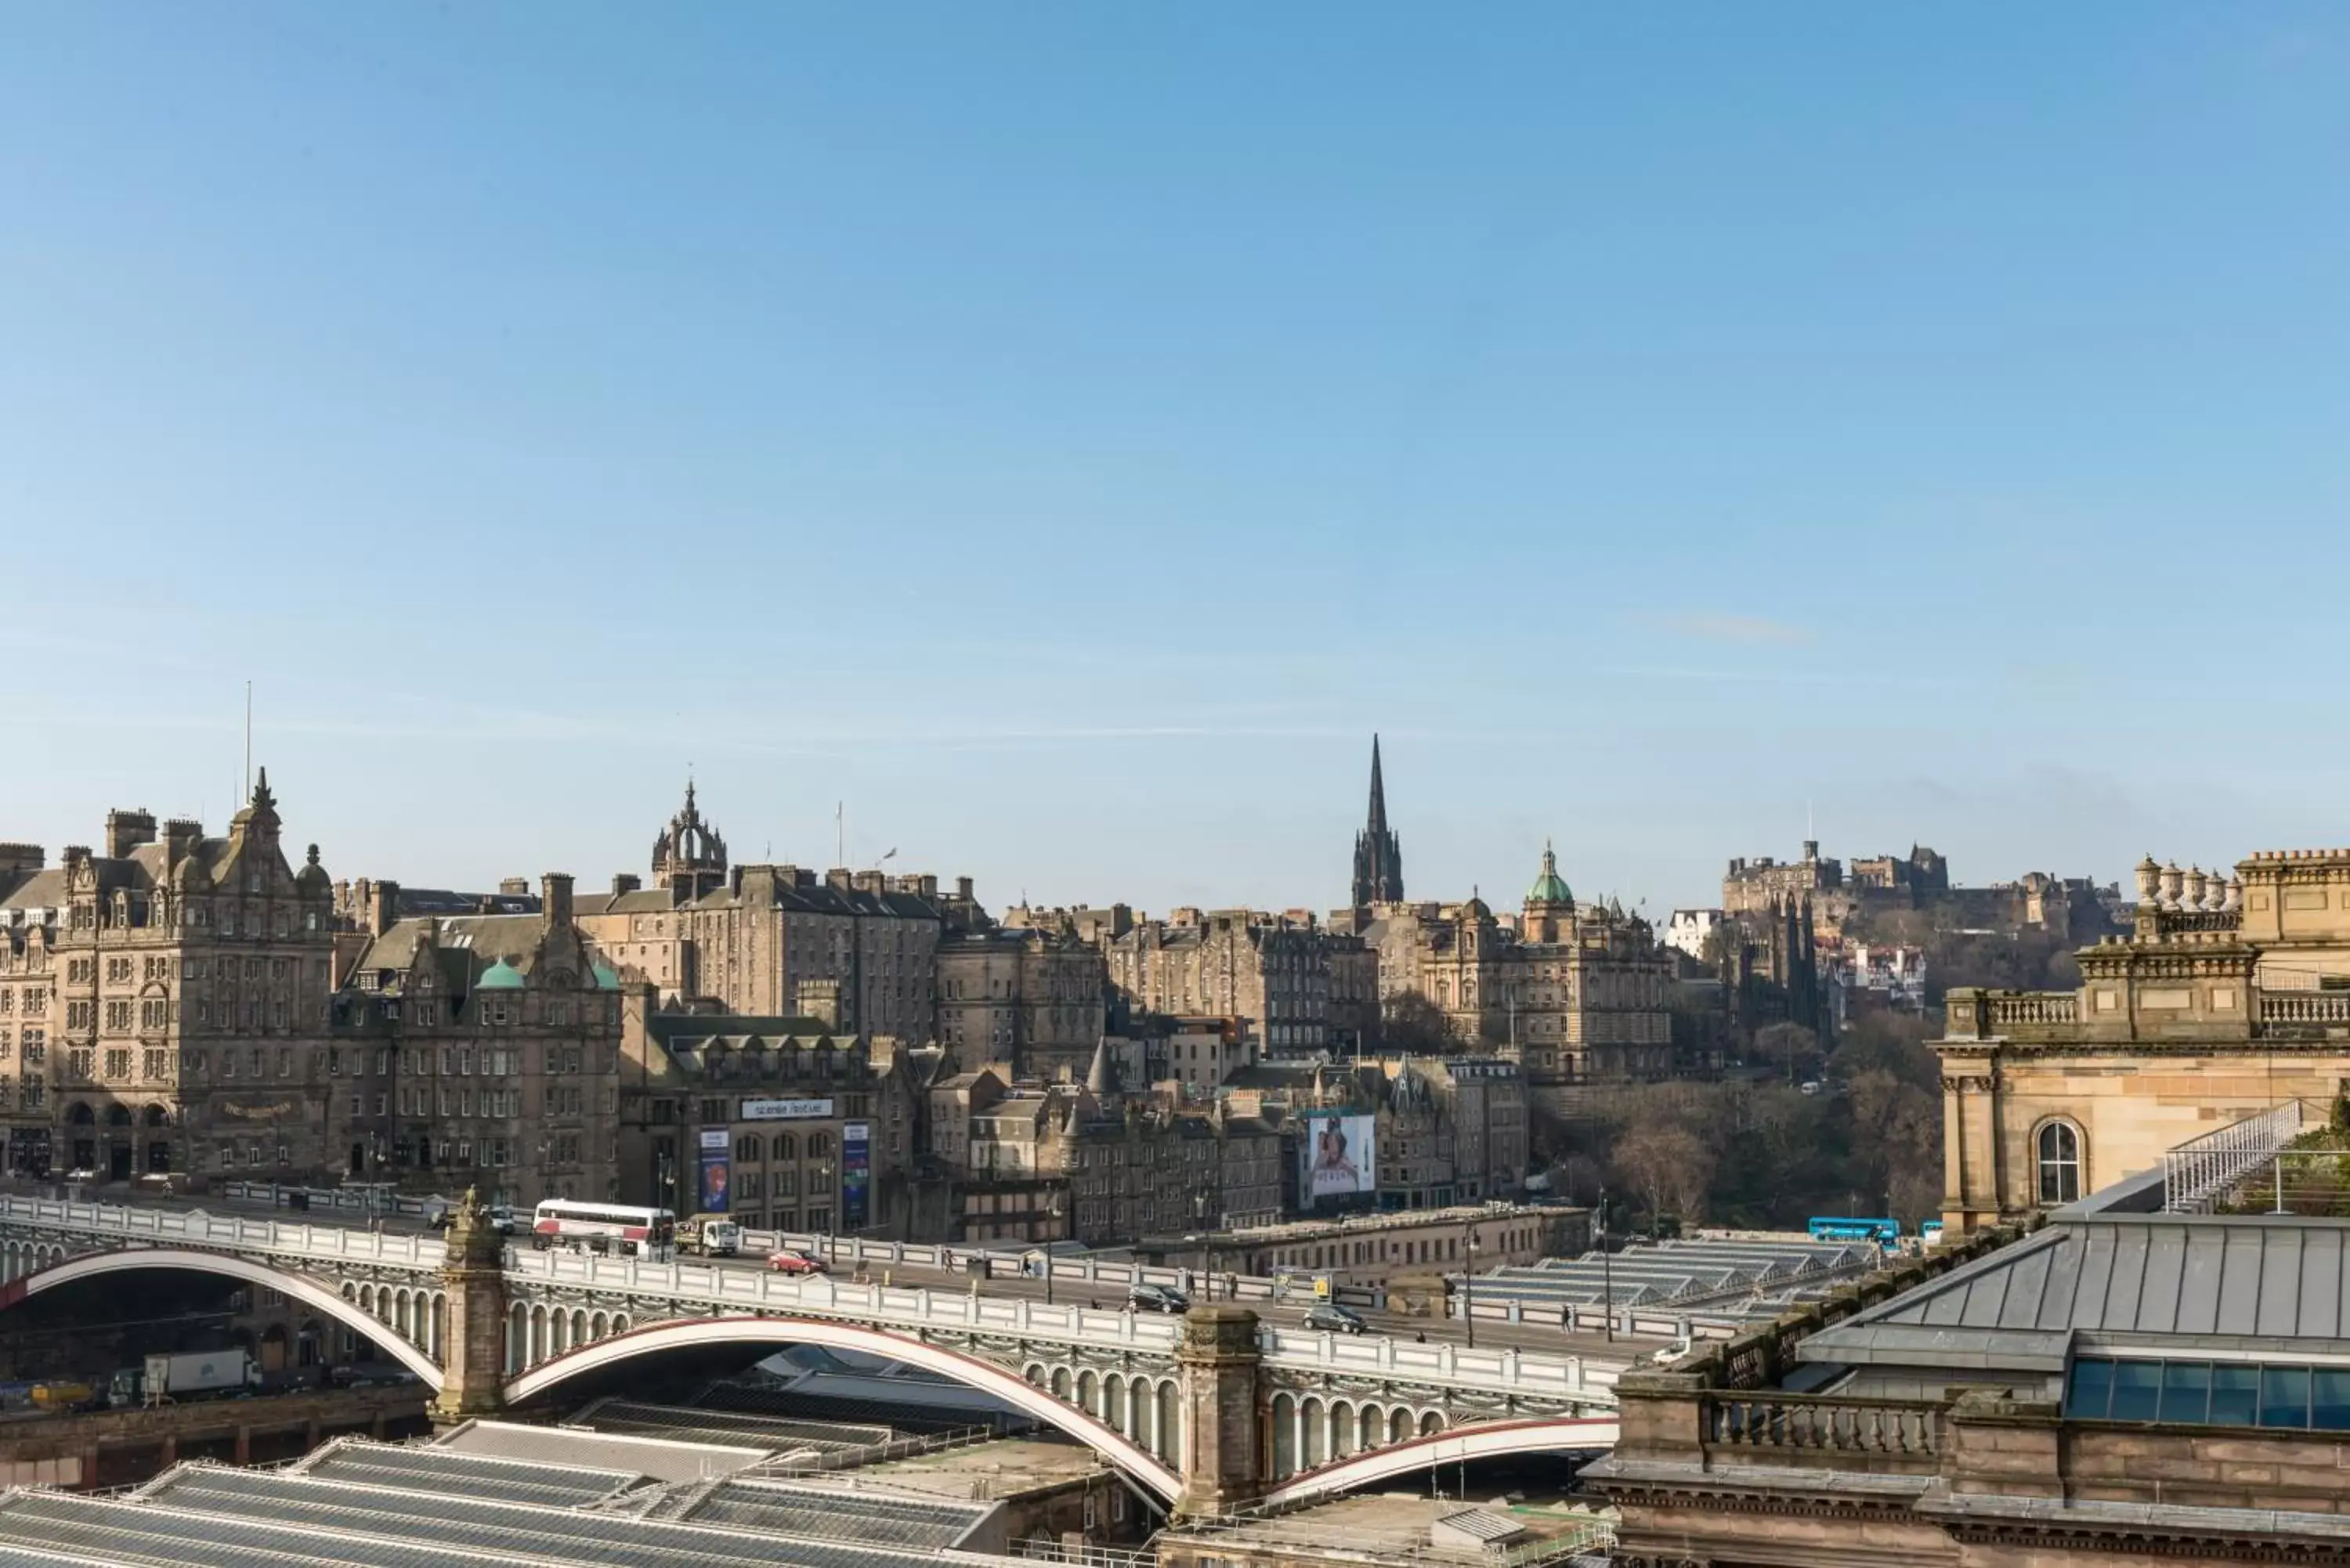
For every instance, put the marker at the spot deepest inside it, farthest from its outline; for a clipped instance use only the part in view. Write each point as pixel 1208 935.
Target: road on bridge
pixel 1109 1297
pixel 1546 1337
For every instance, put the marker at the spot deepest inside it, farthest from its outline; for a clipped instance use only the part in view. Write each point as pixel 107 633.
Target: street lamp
pixel 1606 1268
pixel 1469 1287
pixel 1053 1215
pixel 824 1185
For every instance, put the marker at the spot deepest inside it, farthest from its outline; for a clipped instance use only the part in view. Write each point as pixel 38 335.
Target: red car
pixel 795 1263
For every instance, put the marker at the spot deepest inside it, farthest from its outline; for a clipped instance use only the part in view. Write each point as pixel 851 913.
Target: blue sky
pixel 1064 432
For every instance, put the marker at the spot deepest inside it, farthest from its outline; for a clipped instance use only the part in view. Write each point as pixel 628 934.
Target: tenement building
pixel 779 1122
pixel 1093 1163
pixel 2229 997
pixel 478 1051
pixel 163 1003
pixel 1030 995
pixel 1575 991
pixel 856 947
pixel 1297 987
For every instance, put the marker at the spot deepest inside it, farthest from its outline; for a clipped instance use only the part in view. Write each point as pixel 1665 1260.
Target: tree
pixel 1411 1025
pixel 1668 1166
pixel 1788 1045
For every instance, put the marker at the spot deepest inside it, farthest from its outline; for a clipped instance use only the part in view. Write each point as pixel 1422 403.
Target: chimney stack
pixel 515 888
pixel 127 830
pixel 626 882
pixel 555 899
pixel 384 905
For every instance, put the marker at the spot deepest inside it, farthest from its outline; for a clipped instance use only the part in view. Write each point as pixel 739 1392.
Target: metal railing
pixel 2200 1170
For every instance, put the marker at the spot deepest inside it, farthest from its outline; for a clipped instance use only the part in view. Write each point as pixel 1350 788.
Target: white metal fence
pixel 2199 1170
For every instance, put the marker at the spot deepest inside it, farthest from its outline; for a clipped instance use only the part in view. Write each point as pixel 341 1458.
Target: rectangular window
pixel 2330 1399
pixel 2285 1395
pixel 2186 1391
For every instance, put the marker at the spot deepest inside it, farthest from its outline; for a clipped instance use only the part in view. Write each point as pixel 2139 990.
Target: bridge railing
pixel 822 1295
pixel 1385 1356
pixel 217 1232
pixel 825 1296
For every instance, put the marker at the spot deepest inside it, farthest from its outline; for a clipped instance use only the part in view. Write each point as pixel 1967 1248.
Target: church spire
pixel 1378 854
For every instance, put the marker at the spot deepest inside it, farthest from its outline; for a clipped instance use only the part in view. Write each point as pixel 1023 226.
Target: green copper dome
pixel 500 976
pixel 1549 887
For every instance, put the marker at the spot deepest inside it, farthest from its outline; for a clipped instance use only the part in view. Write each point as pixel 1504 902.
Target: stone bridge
pixel 1210 1410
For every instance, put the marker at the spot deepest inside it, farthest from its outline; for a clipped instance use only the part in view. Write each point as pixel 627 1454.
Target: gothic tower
pixel 1378 854
pixel 689 857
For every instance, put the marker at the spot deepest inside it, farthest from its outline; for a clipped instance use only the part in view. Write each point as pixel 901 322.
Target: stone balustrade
pixel 2306 1007
pixel 1807 1424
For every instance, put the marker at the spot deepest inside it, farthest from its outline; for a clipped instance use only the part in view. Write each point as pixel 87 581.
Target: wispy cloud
pixel 1750 630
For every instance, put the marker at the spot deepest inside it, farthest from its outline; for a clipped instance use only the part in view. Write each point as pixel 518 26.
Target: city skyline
pixel 1066 438
pixel 865 851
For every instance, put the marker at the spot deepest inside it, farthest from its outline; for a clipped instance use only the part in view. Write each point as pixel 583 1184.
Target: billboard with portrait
pixel 1337 1157
pixel 856 1174
pixel 717 1182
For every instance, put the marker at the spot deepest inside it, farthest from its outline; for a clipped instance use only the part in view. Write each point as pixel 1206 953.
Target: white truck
pixel 710 1236
pixel 197 1375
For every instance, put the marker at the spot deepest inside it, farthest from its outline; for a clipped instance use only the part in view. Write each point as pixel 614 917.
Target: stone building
pixel 1093 1163
pixel 1446 1131
pixel 164 1004
pixel 1452 1131
pixel 1770 960
pixel 1030 996
pixel 478 1051
pixel 1297 987
pixel 779 1122
pixel 858 948
pixel 1764 887
pixel 1377 1250
pixel 2229 997
pixel 1758 892
pixel 2118 1385
pixel 1575 991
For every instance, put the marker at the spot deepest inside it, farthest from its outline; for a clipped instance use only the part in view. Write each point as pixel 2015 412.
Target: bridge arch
pixel 1496 1439
pixel 1009 1387
pixel 309 1292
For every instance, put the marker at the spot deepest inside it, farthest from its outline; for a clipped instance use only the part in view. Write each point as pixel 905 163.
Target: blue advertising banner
pixel 856 1174
pixel 716 1179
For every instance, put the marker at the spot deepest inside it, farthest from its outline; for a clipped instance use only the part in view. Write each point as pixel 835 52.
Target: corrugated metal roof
pixel 2125 1278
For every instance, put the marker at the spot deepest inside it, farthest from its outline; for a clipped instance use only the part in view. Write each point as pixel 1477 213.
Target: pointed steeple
pixel 1378 854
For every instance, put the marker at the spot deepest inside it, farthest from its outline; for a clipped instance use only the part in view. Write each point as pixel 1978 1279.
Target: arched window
pixel 2060 1162
pixel 786 1146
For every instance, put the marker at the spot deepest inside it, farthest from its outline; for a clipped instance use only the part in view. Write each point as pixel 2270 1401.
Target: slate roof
pixel 2182 1282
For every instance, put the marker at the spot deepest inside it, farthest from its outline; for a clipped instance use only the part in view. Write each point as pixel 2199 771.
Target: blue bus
pixel 1885 1232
